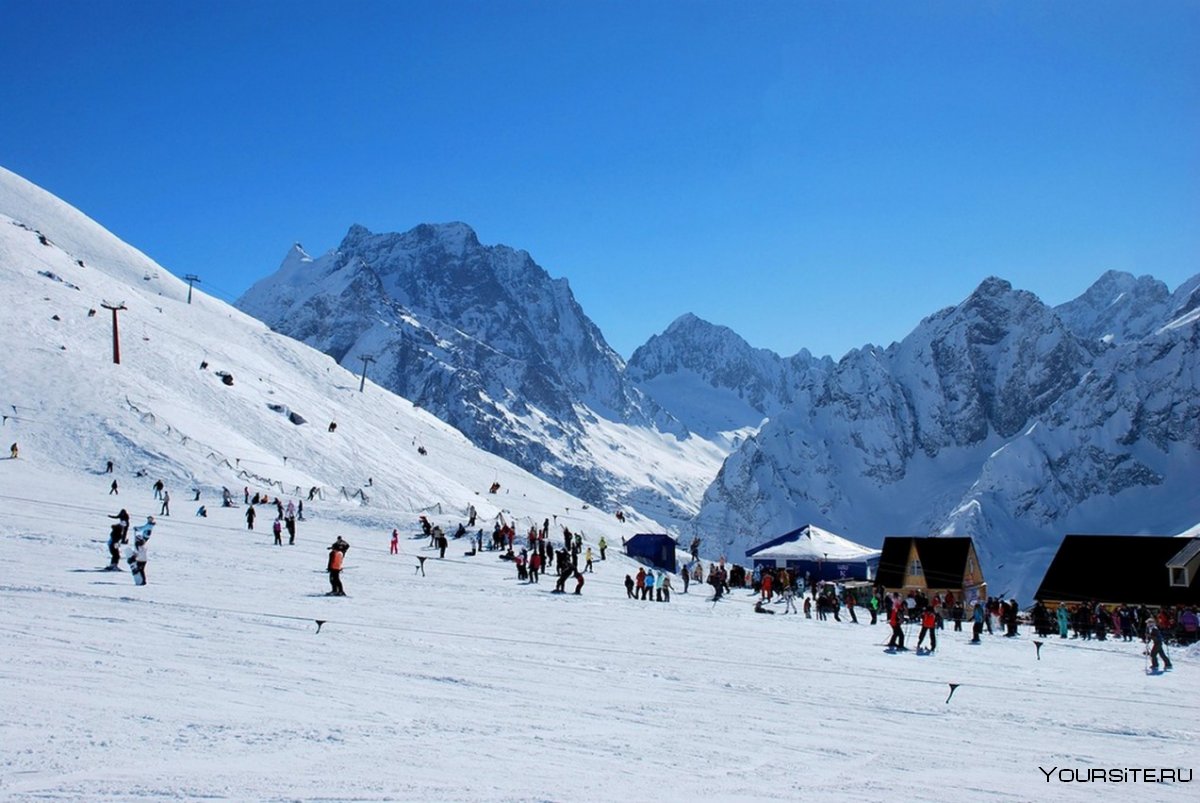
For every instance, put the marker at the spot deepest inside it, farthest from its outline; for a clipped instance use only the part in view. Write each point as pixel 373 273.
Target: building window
pixel 1179 576
pixel 915 567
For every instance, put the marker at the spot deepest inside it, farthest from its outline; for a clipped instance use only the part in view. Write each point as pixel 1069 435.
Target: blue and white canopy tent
pixel 818 554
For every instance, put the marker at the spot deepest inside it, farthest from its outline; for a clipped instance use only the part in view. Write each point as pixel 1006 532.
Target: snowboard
pixel 139 579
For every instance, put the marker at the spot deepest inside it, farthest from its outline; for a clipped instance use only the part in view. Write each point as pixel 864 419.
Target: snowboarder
pixel 758 608
pixel 202 512
pixel 138 559
pixel 1154 639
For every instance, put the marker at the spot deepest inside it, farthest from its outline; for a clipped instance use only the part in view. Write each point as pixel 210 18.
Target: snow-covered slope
pixel 165 412
pixel 999 418
pixel 482 337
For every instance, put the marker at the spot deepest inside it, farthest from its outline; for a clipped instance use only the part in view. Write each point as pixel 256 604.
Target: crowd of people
pixel 534 554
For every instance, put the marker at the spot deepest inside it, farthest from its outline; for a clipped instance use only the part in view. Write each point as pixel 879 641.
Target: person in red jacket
pixel 928 625
pixel 895 619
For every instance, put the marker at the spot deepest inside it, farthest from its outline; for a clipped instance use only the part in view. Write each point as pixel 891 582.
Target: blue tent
pixel 657 549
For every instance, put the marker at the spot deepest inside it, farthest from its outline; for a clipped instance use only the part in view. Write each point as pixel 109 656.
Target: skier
pixel 579 588
pixel 202 512
pixel 13 451
pixel 629 587
pixel 666 587
pixel 603 547
pixel 112 489
pixel 686 578
pixel 108 467
pixel 337 554
pixel 1154 637
pixel 277 529
pixel 789 600
pixel 442 542
pixel 158 489
pixel 758 608
pixel 250 517
pixel 166 504
pixel 894 619
pixel 928 625
pixel 588 560
pixel 395 548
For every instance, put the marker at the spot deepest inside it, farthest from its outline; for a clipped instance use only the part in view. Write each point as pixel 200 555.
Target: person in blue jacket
pixel 977 617
pixel 1064 619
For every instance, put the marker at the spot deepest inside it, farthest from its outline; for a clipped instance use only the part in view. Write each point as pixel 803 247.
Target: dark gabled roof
pixel 892 562
pixel 943 561
pixel 1116 568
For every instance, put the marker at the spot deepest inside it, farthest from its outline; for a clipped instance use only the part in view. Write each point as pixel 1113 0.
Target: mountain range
pixel 1002 417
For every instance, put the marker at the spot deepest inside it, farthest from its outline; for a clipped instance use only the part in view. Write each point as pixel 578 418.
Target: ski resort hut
pixel 818 554
pixel 933 566
pixel 656 549
pixel 1150 570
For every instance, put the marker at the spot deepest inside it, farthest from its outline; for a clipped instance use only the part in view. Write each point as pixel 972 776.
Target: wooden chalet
pixel 1147 570
pixel 932 566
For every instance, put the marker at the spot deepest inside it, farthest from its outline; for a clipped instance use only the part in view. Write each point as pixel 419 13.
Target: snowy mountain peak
pixel 1117 308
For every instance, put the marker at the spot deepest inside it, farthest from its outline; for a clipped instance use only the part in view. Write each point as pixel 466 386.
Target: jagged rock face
pixel 1118 308
pixel 712 380
pixel 479 335
pixel 999 418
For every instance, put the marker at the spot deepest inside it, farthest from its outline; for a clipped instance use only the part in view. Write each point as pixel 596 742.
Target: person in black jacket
pixel 1154 638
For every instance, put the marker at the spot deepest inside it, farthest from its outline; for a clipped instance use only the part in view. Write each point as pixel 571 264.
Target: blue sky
pixel 813 175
